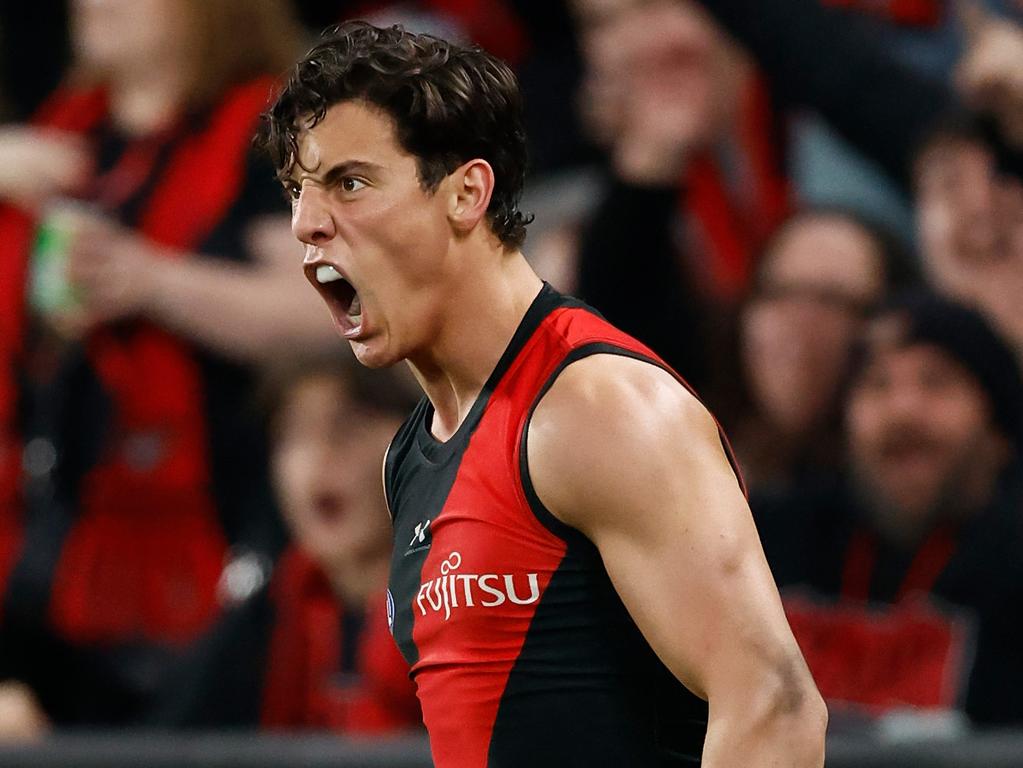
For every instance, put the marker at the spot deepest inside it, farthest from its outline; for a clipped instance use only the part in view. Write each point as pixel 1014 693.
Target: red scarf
pixel 302 689
pixel 908 13
pixel 733 220
pixel 915 651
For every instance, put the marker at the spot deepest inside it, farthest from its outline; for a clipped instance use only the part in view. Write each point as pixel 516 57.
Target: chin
pixel 372 354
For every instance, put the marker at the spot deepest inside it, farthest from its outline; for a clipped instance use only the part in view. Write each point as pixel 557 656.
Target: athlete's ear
pixel 472 187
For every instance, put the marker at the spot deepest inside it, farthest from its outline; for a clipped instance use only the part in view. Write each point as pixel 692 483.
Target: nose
pixel 329 473
pixel 311 220
pixel 907 402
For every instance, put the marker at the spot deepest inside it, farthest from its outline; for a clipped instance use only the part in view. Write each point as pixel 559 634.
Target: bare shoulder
pixel 613 427
pixel 616 394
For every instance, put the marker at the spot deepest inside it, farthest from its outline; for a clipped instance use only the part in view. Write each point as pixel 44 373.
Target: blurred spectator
pixel 858 77
pixel 695 186
pixel 990 72
pixel 21 718
pixel 970 45
pixel 677 104
pixel 830 61
pixel 659 74
pixel 815 280
pixel 563 203
pixel 680 109
pixel 312 649
pixel 911 557
pixel 970 222
pixel 141 465
pixel 922 35
pixel 535 37
pixel 492 24
pixel 25 76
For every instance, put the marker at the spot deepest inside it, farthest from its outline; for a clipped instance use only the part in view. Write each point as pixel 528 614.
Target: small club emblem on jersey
pixel 390 612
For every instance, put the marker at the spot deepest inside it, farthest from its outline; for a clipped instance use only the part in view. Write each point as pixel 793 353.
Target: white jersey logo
pixel 420 535
pixel 468 590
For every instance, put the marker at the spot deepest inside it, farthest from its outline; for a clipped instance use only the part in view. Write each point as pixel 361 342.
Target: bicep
pixel 650 484
pixel 693 576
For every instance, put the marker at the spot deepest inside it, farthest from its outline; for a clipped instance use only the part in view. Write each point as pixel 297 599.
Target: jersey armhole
pixel 547 518
pixel 383 477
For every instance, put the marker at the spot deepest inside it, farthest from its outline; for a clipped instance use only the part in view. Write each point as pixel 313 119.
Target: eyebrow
pixel 346 168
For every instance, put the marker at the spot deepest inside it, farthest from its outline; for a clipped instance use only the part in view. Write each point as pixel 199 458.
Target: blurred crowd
pixel 812 209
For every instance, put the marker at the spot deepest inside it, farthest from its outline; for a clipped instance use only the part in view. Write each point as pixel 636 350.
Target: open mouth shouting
pixel 341 296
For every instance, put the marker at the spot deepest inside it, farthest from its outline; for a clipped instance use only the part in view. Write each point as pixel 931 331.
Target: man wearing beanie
pixel 901 577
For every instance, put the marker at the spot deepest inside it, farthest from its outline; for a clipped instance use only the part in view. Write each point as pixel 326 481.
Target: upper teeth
pixel 327 274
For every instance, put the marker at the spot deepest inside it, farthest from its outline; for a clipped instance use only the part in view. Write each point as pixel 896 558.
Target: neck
pixel 485 311
pixel 148 100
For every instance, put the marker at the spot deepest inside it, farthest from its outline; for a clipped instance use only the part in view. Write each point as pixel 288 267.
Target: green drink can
pixel 50 290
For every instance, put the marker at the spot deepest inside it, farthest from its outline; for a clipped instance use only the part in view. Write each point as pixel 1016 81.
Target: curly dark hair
pixel 449 104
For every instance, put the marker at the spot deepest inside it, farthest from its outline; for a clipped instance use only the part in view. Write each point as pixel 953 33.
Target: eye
pixel 351 184
pixel 291 190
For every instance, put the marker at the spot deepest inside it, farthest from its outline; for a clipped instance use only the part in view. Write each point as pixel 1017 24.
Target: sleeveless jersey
pixel 522 652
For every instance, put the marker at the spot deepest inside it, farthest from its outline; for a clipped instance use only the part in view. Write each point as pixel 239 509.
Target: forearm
pixel 768 729
pixel 246 312
pixel 629 271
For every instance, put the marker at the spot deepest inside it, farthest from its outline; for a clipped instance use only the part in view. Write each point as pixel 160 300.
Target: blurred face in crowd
pixel 958 201
pixel 920 436
pixel 656 71
pixel 326 467
pixel 111 37
pixel 820 274
pixel 376 241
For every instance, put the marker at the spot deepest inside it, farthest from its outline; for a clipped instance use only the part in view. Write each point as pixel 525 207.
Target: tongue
pixel 355 308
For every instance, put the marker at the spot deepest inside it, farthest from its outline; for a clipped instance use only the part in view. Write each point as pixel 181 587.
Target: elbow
pixel 776 717
pixel 798 715
pixel 813 725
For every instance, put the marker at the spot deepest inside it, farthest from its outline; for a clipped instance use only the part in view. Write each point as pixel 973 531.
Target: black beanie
pixel 965 335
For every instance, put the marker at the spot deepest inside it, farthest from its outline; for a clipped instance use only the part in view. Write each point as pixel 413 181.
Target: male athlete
pixel 576 579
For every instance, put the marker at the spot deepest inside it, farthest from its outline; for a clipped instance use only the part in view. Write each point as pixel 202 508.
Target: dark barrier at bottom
pixel 215 750
pixel 241 750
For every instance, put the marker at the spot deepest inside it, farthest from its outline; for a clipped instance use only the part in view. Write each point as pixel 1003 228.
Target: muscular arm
pixel 648 482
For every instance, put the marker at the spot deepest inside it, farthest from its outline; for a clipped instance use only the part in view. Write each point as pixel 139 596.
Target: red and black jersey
pixel 522 652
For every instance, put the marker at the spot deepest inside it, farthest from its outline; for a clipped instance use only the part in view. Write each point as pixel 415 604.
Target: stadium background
pixel 735 183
